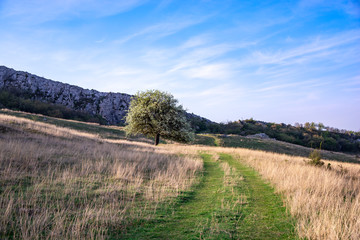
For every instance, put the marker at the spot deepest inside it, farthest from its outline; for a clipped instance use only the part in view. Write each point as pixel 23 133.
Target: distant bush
pixel 331 144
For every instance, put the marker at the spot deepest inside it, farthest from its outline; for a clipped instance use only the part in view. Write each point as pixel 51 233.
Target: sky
pixel 274 61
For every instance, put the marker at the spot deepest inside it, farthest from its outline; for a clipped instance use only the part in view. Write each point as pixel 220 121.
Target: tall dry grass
pixel 58 183
pixel 325 202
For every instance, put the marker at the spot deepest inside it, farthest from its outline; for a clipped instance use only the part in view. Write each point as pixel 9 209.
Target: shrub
pixel 315 158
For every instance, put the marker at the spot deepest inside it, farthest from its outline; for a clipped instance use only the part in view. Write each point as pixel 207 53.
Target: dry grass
pixel 326 202
pixel 58 183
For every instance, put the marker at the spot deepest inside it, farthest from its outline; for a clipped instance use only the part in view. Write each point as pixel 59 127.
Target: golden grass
pixel 326 202
pixel 58 183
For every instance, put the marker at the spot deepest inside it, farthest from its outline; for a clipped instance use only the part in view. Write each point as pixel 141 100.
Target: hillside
pixel 214 140
pixel 62 179
pixel 30 93
pixel 313 135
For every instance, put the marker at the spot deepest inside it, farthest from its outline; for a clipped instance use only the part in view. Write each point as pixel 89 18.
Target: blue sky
pixel 276 61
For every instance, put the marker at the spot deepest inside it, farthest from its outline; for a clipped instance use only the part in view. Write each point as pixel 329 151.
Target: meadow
pixel 57 181
pixel 61 183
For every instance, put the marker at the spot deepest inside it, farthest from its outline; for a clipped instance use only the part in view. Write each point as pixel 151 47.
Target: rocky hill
pixel 111 106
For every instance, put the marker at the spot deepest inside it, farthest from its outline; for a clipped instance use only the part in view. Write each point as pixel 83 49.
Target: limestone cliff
pixel 111 106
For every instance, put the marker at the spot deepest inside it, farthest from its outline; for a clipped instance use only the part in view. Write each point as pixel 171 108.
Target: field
pixel 67 179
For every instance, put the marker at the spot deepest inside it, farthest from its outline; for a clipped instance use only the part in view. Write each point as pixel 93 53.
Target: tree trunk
pixel 157 139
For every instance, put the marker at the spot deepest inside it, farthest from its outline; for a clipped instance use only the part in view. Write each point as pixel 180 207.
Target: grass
pixel 105 132
pixel 225 205
pixel 117 133
pixel 325 202
pixel 193 213
pixel 265 217
pixel 58 182
pixel 204 139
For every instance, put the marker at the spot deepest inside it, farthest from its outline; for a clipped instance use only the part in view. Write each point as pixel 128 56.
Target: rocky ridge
pixel 111 106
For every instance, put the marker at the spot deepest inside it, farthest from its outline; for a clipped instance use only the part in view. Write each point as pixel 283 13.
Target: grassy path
pixel 265 216
pixel 217 208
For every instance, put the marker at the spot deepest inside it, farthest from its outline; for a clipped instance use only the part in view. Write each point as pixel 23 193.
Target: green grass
pixel 265 216
pixel 191 211
pixel 269 145
pixel 204 214
pixel 204 139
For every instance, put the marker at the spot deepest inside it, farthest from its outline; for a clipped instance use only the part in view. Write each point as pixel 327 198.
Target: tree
pixel 321 126
pixel 154 114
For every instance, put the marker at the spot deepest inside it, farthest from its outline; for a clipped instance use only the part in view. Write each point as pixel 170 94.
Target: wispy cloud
pixel 216 71
pixel 38 11
pixel 163 4
pixel 308 84
pixel 201 55
pixel 352 81
pixel 314 47
pixel 163 29
pixel 196 41
pixel 351 7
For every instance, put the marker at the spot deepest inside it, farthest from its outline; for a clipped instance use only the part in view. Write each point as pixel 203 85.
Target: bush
pixel 315 158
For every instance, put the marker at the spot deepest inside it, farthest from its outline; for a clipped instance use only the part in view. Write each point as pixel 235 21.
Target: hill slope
pixel 111 106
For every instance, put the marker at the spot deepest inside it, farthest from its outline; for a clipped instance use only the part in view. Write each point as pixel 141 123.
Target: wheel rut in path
pixel 224 205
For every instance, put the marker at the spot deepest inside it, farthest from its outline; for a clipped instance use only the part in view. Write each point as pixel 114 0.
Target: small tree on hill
pixel 155 113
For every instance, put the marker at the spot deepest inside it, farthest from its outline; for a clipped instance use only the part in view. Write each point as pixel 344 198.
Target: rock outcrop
pixel 111 106
pixel 259 135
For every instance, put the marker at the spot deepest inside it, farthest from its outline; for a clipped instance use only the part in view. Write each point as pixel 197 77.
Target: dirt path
pixel 227 204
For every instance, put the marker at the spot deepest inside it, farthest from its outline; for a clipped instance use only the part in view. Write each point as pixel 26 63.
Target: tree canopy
pixel 154 114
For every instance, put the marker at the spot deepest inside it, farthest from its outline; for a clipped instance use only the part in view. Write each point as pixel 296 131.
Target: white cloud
pixel 196 41
pixel 201 56
pixel 216 71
